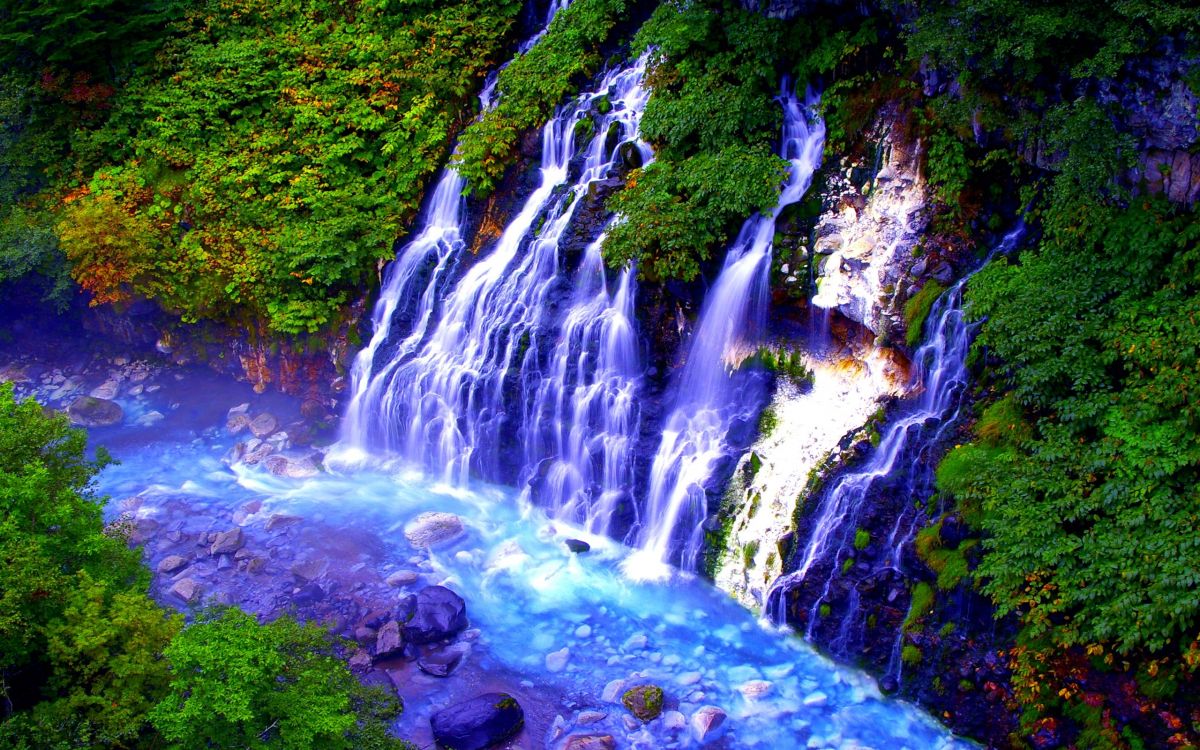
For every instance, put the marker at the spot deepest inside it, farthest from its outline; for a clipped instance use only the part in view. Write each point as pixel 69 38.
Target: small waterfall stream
pixel 584 412
pixel 902 455
pixel 446 401
pixel 709 396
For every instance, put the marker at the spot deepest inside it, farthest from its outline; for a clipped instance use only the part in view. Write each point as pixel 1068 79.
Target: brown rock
pixel 186 589
pixel 228 542
pixel 591 742
pixel 264 424
pixel 172 563
pixel 389 641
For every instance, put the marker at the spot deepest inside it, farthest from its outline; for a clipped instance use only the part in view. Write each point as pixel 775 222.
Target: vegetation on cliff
pixel 259 160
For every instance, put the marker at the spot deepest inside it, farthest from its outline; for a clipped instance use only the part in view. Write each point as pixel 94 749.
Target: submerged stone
pixel 706 721
pixel 578 546
pixel 433 528
pixel 89 411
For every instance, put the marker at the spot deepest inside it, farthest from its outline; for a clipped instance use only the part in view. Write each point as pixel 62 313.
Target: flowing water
pixel 901 456
pixel 449 400
pixel 711 393
pixel 529 597
pixel 584 413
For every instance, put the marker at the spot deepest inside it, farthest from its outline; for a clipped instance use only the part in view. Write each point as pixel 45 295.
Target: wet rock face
pixel 786 9
pixel 865 243
pixel 478 723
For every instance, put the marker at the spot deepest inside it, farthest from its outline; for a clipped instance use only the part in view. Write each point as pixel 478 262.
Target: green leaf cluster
pixel 530 87
pixel 268 154
pixel 715 69
pixel 1085 476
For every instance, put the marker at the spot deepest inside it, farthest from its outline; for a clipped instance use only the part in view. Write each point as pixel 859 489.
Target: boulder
pixel 556 661
pixel 439 613
pixel 440 664
pixel 172 563
pixel 578 546
pixel 264 424
pixel 389 641
pixel 89 411
pixel 402 578
pixel 228 542
pixel 236 423
pixel 644 701
pixel 706 721
pixel 478 723
pixel 591 742
pixel 433 528
pixel 187 590
pixel 282 466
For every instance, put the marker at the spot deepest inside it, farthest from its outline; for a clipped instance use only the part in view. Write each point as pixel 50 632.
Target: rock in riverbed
pixel 478 723
pixel 89 411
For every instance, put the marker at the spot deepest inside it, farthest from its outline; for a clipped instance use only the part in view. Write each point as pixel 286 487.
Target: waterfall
pixel 707 396
pixel 902 453
pixel 584 413
pixel 410 292
pixel 445 402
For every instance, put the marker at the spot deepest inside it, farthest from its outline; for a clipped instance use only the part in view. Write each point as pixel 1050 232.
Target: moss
pixel 1003 423
pixel 862 538
pixel 916 310
pixel 824 610
pixel 748 552
pixel 644 701
pixel 923 599
pixel 910 655
pixel 585 128
pixel 847 564
pixel 603 105
pixel 768 420
pixel 752 511
pixel 947 630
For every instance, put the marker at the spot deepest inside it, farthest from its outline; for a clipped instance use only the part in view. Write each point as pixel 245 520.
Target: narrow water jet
pixel 903 452
pixel 708 393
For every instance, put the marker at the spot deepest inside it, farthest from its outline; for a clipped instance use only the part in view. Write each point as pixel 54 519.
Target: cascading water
pixel 410 291
pixel 445 403
pixel 708 400
pixel 580 430
pixel 902 455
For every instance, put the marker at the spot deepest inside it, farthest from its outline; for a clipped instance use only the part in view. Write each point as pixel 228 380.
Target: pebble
pixel 556 661
pixel 583 631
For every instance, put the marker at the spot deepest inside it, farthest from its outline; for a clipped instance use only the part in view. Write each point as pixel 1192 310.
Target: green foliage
pixel 710 172
pixel 533 84
pixel 916 311
pixel 94 35
pixel 1086 473
pixel 50 526
pixel 787 362
pixel 948 168
pixel 749 550
pixel 268 155
pixel 768 420
pixel 240 684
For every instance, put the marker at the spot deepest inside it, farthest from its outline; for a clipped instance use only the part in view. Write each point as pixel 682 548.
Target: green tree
pixel 238 684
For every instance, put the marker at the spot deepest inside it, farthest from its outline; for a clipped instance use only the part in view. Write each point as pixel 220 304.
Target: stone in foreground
pixel 439 614
pixel 478 723
pixel 89 411
pixel 433 528
pixel 644 701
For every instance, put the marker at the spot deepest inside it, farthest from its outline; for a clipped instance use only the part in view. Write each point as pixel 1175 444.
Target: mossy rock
pixel 89 411
pixel 644 701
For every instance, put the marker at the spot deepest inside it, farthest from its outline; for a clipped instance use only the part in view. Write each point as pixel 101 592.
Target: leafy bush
pixel 531 87
pixel 1102 359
